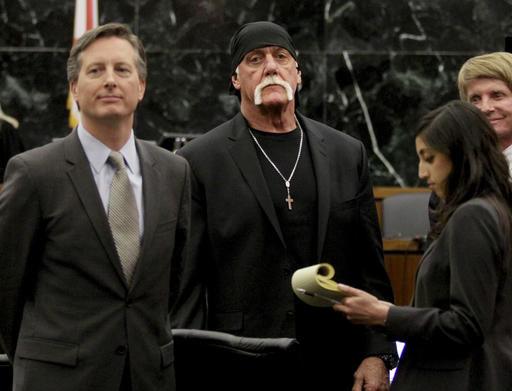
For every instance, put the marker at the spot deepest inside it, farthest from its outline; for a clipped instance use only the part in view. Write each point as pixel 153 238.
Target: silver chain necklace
pixel 288 199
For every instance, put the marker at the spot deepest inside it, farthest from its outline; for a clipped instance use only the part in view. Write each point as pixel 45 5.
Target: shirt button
pixel 121 350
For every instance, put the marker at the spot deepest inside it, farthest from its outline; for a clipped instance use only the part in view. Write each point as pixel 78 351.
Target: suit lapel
pixel 322 174
pixel 80 174
pixel 243 153
pixel 151 193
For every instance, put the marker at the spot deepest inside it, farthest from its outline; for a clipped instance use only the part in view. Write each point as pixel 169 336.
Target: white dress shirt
pixel 97 153
pixel 508 155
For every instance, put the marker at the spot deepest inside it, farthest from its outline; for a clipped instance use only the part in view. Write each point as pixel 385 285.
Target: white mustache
pixel 268 81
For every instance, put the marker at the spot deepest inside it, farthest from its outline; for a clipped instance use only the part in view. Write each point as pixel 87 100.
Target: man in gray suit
pixel 83 305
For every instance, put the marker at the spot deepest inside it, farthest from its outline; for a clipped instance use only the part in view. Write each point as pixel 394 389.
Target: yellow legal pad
pixel 314 285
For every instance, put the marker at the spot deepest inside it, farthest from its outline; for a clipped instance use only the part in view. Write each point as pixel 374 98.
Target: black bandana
pixel 258 35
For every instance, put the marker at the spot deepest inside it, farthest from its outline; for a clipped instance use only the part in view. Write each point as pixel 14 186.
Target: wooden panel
pixel 401 268
pixel 401 257
pixel 401 245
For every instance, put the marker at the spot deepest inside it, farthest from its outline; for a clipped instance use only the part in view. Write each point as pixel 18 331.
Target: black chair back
pixel 222 361
pixel 5 373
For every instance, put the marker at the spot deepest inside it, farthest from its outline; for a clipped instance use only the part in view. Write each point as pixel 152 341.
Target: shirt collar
pixel 97 153
pixel 508 152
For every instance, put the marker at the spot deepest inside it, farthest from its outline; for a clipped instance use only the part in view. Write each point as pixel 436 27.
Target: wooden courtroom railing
pixel 401 258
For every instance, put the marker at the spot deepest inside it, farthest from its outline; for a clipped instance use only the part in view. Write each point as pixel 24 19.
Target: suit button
pixel 121 350
pixel 290 314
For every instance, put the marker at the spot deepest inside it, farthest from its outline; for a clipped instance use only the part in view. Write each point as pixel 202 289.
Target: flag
pixel 86 18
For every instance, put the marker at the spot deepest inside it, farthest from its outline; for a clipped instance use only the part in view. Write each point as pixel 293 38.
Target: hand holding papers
pixel 314 285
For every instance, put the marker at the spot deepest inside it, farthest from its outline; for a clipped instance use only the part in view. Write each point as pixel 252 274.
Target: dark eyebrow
pixel 425 150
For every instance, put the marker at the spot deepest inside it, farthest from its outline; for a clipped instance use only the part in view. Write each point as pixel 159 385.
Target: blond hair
pixel 497 65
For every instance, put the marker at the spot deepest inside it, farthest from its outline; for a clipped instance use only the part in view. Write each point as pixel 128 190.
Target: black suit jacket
pixel 238 253
pixel 67 317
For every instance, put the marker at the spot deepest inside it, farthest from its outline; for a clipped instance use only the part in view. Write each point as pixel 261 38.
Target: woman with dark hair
pixel 458 333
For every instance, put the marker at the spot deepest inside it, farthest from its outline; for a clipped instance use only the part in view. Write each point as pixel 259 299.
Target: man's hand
pixel 372 375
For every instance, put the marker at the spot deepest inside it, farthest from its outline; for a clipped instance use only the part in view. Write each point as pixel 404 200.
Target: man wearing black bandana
pixel 274 191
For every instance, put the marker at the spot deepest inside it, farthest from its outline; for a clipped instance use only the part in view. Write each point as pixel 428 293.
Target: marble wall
pixel 370 67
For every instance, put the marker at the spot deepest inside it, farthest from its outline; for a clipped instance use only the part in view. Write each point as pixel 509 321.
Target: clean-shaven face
pixel 434 167
pixel 494 98
pixel 108 85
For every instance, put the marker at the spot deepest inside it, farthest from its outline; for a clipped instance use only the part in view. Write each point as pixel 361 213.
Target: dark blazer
pixel 239 254
pixel 68 320
pixel 458 335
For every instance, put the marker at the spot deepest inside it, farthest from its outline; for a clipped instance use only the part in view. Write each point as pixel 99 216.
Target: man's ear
pixel 235 81
pixel 299 73
pixel 72 89
pixel 74 92
pixel 142 89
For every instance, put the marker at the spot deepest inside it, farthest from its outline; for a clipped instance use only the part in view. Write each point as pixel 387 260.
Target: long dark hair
pixel 479 168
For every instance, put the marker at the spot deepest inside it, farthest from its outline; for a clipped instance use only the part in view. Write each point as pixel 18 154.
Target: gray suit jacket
pixel 459 334
pixel 68 319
